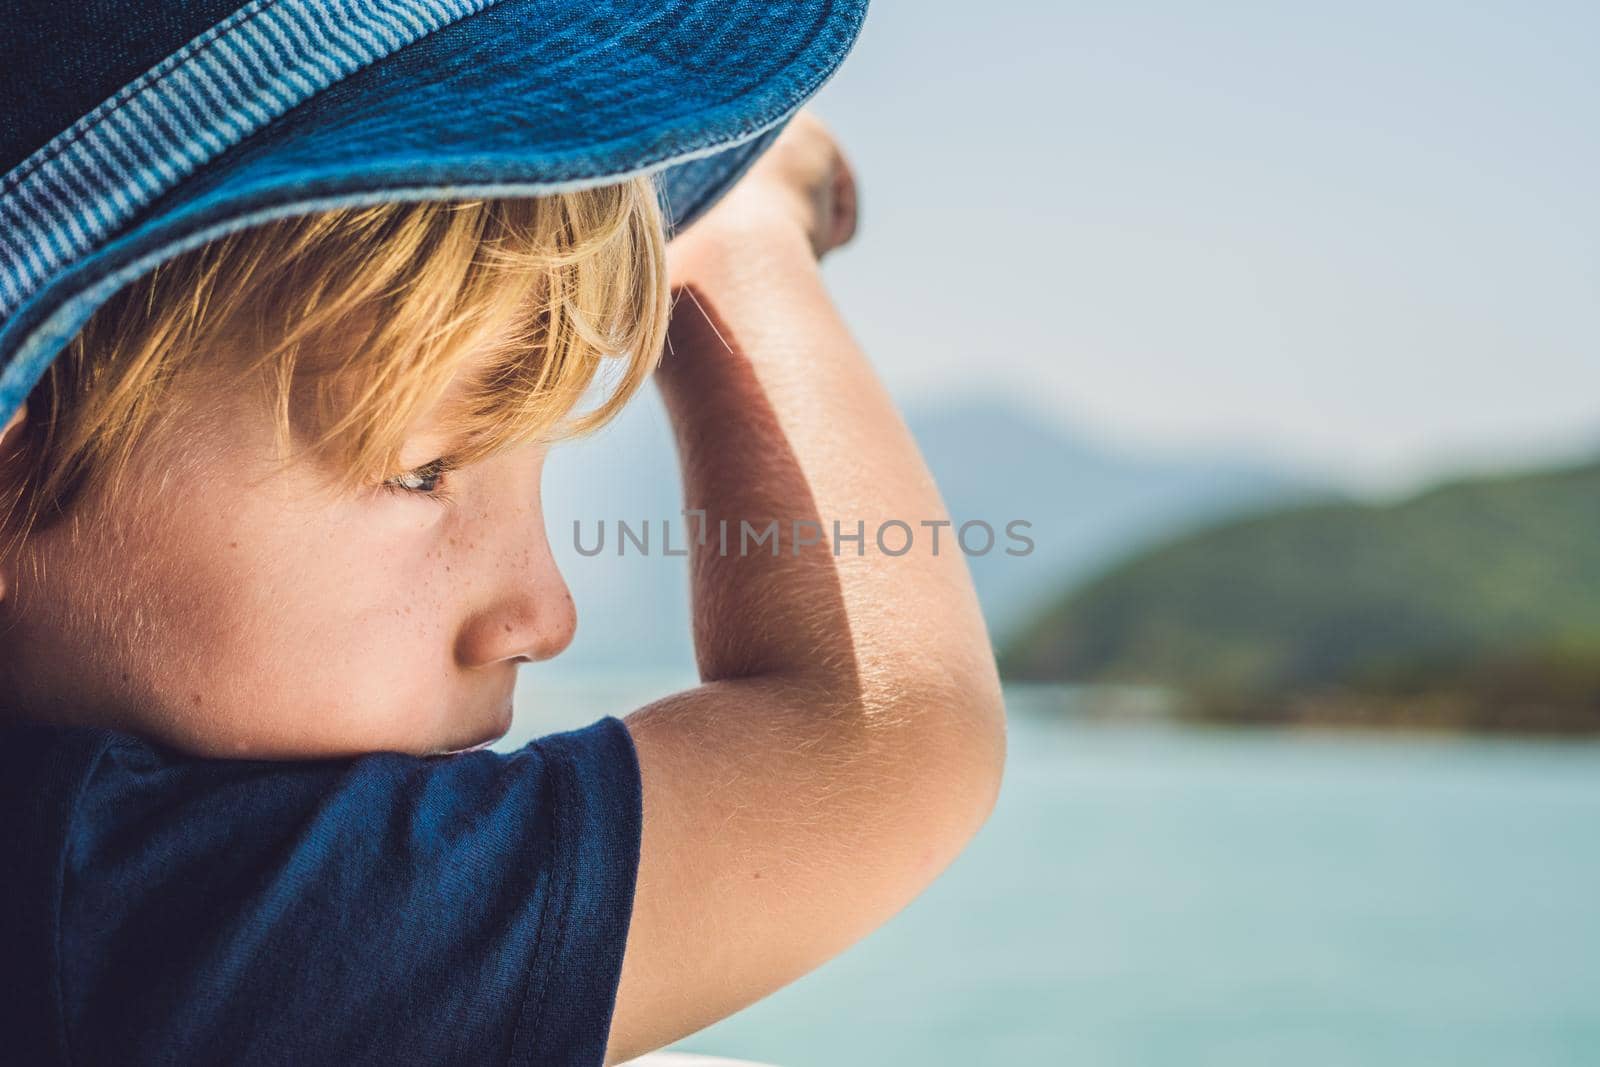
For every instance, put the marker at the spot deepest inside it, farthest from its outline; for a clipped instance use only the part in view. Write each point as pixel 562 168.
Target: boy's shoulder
pixel 469 908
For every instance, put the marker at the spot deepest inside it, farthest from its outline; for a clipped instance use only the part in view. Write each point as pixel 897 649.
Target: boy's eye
pixel 424 479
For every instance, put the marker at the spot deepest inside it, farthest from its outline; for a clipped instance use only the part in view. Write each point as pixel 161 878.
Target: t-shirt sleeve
pixel 470 908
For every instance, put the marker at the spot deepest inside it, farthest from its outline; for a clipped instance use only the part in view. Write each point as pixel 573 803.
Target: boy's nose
pixel 527 614
pixel 537 623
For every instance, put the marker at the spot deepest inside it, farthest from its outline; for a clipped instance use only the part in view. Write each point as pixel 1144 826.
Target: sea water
pixel 1164 896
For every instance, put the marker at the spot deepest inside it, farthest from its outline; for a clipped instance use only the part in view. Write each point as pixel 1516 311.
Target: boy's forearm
pixel 779 416
pixel 849 738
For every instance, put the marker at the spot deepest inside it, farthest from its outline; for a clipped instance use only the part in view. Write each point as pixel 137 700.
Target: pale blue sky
pixel 1361 237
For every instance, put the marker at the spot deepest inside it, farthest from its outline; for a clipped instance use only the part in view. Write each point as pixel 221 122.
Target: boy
pixel 273 554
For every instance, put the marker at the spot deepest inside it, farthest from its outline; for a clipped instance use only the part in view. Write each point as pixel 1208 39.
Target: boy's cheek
pixel 223 644
pixel 232 616
pixel 321 698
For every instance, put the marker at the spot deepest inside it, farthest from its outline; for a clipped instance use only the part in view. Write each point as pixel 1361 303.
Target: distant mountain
pixel 1087 505
pixel 1476 603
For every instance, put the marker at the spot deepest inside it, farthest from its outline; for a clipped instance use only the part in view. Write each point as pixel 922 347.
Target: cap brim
pixel 523 98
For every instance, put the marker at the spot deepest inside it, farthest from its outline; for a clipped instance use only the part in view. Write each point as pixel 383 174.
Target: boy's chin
pixel 493 728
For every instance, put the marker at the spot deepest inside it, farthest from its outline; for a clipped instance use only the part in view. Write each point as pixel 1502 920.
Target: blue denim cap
pixel 134 130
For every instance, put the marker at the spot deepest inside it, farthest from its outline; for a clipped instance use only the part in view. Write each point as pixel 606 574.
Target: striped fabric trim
pixel 73 194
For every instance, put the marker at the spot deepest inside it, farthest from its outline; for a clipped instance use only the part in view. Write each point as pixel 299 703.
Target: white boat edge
pixel 688 1059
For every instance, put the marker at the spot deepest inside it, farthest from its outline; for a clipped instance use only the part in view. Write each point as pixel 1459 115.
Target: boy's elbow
pixel 987 711
pixel 956 735
pixel 995 763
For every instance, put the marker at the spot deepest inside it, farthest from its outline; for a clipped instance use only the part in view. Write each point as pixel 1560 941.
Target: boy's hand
pixel 802 181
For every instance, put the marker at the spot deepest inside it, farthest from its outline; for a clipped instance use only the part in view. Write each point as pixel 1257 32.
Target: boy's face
pixel 230 608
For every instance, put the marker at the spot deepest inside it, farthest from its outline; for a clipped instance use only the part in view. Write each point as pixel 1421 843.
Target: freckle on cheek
pixel 196 699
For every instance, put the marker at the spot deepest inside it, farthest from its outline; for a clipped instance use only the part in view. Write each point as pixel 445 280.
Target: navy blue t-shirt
pixel 390 909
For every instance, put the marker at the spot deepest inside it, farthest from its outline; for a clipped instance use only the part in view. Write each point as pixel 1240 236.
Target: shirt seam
pixel 554 793
pixel 57 983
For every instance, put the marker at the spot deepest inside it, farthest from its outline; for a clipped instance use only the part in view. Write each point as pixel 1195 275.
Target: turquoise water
pixel 1163 896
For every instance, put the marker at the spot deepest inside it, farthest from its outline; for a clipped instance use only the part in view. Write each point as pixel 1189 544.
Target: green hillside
pixel 1475 604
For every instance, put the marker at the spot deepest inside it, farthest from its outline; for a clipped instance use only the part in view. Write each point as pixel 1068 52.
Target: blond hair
pixel 355 322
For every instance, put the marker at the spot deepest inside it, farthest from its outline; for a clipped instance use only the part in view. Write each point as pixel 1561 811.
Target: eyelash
pixel 434 470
